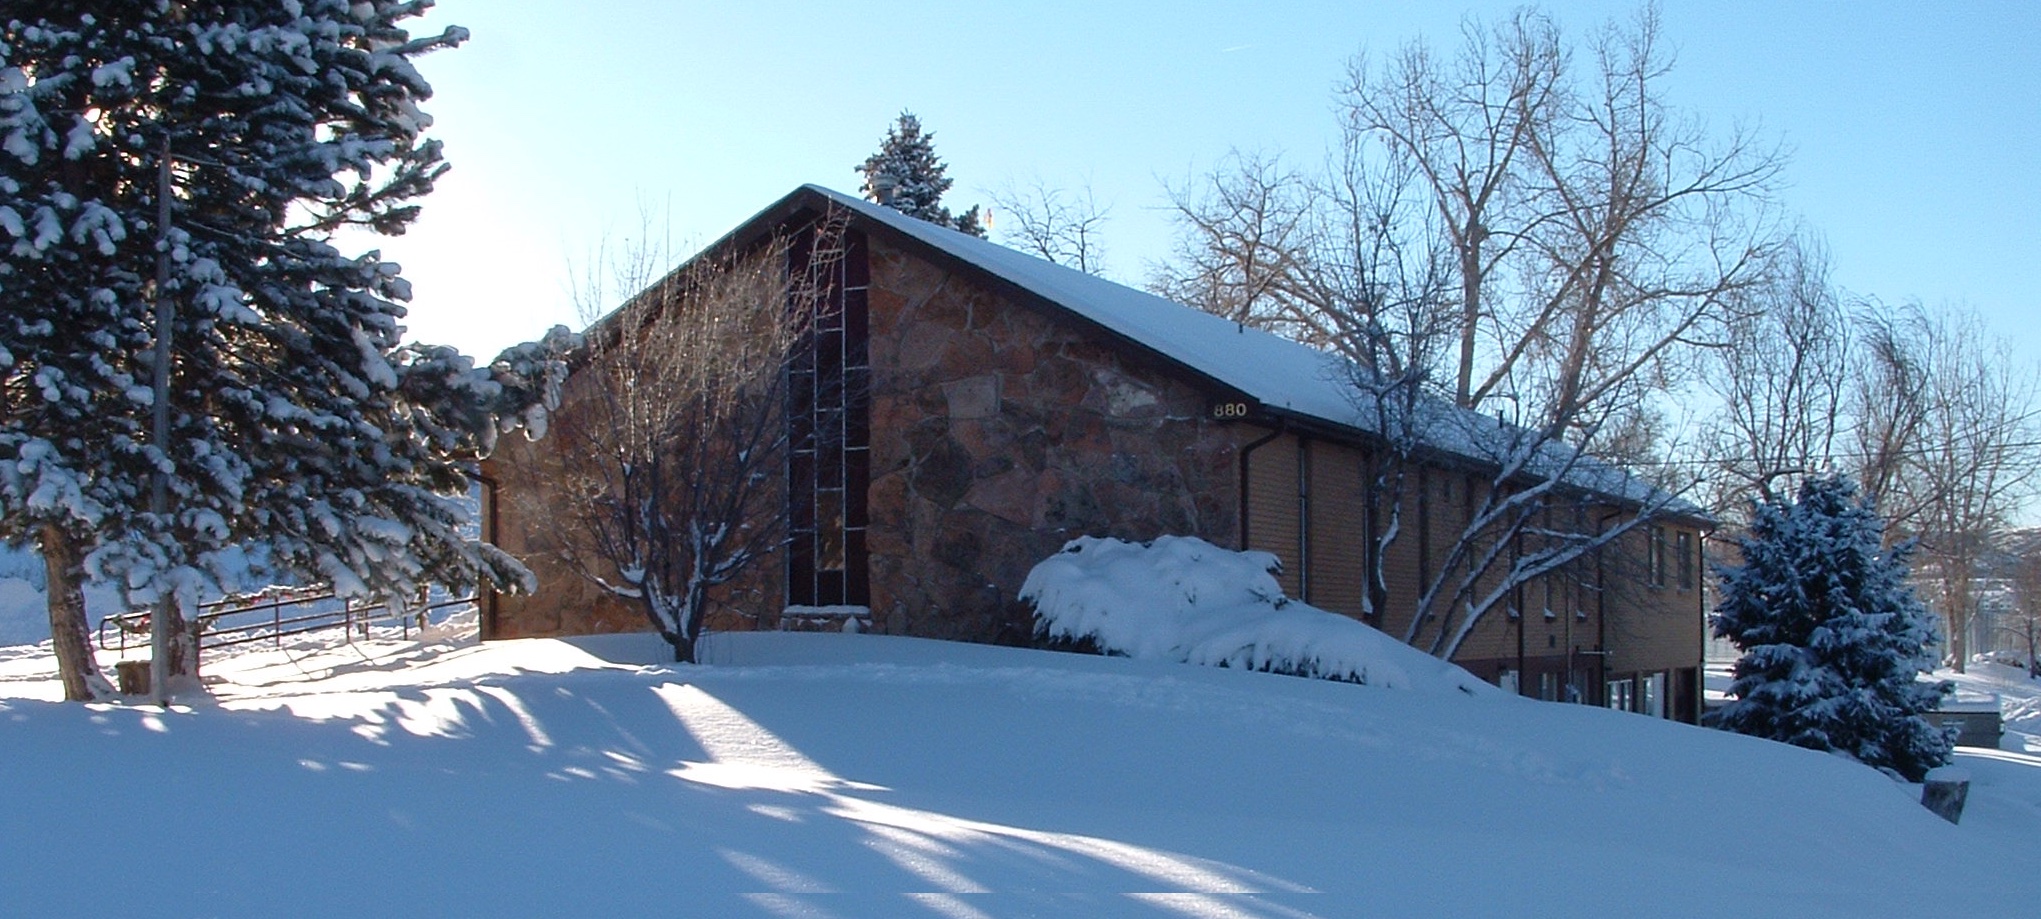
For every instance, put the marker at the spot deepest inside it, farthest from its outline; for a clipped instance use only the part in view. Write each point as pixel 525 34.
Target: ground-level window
pixel 1651 695
pixel 1621 695
pixel 1548 687
pixel 1685 701
pixel 1507 679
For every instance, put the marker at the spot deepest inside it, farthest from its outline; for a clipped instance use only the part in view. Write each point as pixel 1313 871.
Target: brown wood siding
pixel 1495 636
pixel 1338 528
pixel 1441 519
pixel 1400 566
pixel 1650 628
pixel 1272 511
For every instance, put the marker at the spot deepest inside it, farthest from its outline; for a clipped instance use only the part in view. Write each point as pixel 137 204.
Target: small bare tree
pixel 674 440
pixel 1243 243
pixel 1061 227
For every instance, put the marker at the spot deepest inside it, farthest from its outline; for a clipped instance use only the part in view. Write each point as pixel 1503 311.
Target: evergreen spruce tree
pixel 1831 634
pixel 305 437
pixel 906 163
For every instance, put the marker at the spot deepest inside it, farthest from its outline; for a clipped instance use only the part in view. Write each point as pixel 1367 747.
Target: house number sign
pixel 1231 411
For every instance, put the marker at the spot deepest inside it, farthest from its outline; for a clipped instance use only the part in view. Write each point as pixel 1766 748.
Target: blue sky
pixel 1912 128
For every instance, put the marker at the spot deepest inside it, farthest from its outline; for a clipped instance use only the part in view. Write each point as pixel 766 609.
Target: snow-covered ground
pixel 857 775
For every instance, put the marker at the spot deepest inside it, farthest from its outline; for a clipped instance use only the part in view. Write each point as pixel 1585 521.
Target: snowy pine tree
pixel 304 435
pixel 906 176
pixel 1831 634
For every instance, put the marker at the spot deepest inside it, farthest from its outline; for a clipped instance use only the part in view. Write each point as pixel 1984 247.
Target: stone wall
pixel 999 433
pixel 528 518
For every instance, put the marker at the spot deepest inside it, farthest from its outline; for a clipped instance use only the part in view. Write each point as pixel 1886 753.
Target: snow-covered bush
pixel 1832 636
pixel 1181 598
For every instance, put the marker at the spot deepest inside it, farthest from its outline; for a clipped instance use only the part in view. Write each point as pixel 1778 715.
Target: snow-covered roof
pixel 1287 378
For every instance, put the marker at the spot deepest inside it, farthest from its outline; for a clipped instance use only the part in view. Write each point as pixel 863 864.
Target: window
pixel 1685 542
pixel 1620 697
pixel 830 433
pixel 1655 557
pixel 1424 526
pixel 1304 565
pixel 1651 695
pixel 1507 679
pixel 1548 687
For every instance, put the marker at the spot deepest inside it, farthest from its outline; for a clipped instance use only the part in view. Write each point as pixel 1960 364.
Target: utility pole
pixel 159 488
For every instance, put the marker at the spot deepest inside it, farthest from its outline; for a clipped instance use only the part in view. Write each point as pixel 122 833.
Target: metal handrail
pixel 276 600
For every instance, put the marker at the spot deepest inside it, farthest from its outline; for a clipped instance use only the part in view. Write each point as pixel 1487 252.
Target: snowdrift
pixel 818 774
pixel 1181 598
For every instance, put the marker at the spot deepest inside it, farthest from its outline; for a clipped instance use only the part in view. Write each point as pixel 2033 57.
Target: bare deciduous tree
pixel 1648 226
pixel 1890 404
pixel 1783 379
pixel 674 445
pixel 1938 424
pixel 2023 622
pixel 1500 229
pixel 1463 130
pixel 1974 462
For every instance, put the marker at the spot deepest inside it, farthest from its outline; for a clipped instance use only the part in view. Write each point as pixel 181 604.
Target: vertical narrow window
pixel 828 418
pixel 1655 557
pixel 1370 504
pixel 1685 546
pixel 1304 519
pixel 1424 529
